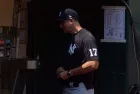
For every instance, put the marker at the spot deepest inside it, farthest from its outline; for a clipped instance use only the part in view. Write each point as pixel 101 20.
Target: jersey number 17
pixel 93 52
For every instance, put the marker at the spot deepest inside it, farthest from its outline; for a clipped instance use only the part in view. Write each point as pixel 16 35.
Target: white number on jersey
pixel 93 52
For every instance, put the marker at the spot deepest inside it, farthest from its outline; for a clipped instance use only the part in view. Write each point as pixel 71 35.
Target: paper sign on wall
pixel 114 22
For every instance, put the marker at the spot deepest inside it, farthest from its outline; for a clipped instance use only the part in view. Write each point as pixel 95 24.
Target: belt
pixel 72 84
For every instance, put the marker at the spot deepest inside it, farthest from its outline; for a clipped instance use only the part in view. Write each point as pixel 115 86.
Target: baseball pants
pixel 81 89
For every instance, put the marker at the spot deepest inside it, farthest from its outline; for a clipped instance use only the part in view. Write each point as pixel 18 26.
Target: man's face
pixel 66 25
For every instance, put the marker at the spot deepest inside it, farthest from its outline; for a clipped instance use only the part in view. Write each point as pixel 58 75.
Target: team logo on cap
pixel 70 16
pixel 59 14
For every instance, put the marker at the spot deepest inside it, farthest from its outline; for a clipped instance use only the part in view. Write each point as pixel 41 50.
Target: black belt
pixel 76 84
pixel 72 84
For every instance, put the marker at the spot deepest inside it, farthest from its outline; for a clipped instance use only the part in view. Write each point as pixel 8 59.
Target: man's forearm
pixel 85 68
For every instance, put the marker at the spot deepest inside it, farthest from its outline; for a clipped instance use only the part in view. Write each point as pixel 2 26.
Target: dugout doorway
pixel 47 40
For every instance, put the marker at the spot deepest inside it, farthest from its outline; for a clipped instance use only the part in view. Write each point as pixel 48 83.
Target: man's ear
pixel 71 21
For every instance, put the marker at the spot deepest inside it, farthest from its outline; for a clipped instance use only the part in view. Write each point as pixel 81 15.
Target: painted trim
pixel 113 40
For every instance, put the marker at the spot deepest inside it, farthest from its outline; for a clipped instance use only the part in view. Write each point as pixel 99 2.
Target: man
pixel 76 73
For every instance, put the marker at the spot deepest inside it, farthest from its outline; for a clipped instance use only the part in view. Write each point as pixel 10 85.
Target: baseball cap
pixel 67 14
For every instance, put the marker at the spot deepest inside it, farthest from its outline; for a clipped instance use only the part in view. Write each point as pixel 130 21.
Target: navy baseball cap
pixel 68 14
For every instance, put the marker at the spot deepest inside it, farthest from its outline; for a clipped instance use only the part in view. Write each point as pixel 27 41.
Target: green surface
pixel 112 68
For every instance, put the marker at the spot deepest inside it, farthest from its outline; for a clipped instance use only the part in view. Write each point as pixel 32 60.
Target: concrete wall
pixel 131 60
pixel 6 12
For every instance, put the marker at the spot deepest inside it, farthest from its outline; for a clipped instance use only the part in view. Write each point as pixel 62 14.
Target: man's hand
pixel 59 70
pixel 63 75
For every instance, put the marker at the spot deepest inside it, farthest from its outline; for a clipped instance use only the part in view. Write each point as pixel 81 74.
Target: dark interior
pixel 47 40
